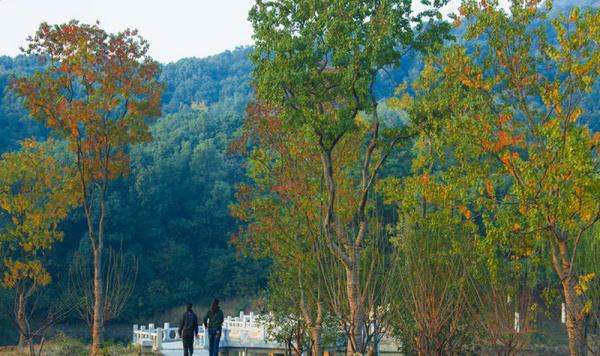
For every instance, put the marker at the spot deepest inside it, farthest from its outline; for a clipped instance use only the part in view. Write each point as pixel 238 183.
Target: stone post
pixel 135 328
pixel 157 344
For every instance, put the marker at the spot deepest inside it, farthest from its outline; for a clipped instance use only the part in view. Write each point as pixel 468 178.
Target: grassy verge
pixel 62 345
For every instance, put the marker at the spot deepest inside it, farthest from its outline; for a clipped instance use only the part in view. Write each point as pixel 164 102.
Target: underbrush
pixel 62 345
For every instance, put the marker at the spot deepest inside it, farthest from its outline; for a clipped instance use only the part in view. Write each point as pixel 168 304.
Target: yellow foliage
pixel 584 283
pixel 587 309
pixel 35 195
pixel 29 270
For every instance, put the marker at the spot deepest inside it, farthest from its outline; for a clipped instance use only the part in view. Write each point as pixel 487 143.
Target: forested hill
pixel 191 84
pixel 15 124
pixel 196 83
pixel 172 210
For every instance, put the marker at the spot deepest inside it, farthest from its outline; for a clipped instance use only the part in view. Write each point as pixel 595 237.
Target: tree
pixel 434 241
pixel 98 91
pixel 318 62
pixel 287 305
pixel 120 274
pixel 283 172
pixel 508 109
pixel 504 318
pixel 36 194
pixel 432 298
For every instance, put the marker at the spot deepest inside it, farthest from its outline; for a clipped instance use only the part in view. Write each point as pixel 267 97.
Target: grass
pixel 62 345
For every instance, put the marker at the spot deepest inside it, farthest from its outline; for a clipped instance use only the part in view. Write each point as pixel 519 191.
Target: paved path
pixel 175 348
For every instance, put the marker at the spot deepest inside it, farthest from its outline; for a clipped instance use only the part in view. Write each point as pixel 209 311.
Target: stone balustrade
pixel 244 331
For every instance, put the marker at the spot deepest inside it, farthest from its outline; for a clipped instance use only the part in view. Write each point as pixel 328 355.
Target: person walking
pixel 188 329
pixel 213 321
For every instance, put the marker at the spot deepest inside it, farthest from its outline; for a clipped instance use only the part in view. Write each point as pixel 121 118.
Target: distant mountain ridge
pixel 190 83
pixel 197 83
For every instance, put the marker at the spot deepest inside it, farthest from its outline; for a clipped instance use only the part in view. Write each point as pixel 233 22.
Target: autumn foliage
pixel 508 117
pixel 36 194
pixel 99 92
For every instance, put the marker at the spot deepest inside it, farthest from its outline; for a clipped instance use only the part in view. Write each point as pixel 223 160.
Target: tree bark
pixel 98 320
pixel 314 323
pixel 575 327
pixel 25 339
pixel 355 342
pixel 575 323
pixel 98 246
pixel 21 321
pixel 299 350
pixel 31 347
pixel 316 340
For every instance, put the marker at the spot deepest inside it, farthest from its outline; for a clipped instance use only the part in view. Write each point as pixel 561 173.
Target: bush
pixel 62 345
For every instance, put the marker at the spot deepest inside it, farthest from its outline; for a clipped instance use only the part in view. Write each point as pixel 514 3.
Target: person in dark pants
pixel 214 322
pixel 187 329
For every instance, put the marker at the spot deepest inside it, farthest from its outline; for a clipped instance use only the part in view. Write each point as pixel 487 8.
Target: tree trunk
pixel 372 350
pixel 316 340
pixel 31 347
pixel 98 320
pixel 24 336
pixel 21 321
pixel 575 323
pixel 355 337
pixel 575 327
pixel 314 324
pixel 98 323
pixel 299 350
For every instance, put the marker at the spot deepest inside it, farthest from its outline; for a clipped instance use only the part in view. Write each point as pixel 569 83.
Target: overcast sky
pixel 175 28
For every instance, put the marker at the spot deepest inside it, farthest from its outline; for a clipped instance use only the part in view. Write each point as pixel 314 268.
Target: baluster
pixel 157 345
pixel 135 328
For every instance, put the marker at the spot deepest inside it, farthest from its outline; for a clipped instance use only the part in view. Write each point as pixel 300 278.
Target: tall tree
pixel 36 194
pixel 511 105
pixel 284 178
pixel 319 61
pixel 98 91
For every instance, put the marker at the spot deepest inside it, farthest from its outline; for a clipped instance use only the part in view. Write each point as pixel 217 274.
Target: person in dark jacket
pixel 214 322
pixel 187 329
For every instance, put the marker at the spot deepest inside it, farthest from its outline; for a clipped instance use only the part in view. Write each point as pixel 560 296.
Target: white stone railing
pixel 242 331
pixel 150 336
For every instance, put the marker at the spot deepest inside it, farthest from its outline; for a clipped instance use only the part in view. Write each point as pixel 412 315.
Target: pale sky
pixel 175 29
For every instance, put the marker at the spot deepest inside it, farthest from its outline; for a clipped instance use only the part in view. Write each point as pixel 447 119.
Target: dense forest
pixel 172 209
pixel 195 209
